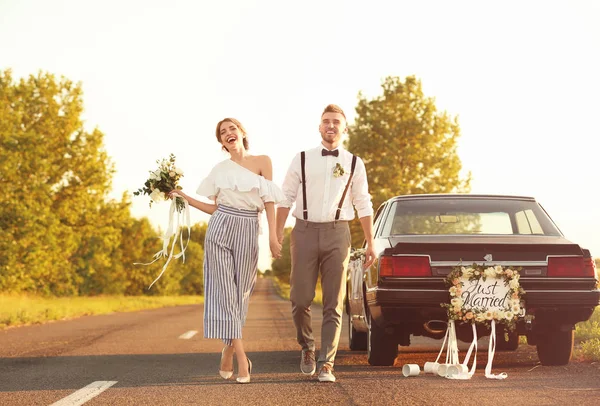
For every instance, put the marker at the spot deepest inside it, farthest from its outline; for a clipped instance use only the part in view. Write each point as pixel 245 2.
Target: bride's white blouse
pixel 230 184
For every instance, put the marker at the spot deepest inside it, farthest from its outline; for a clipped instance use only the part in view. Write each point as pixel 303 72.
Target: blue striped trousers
pixel 230 260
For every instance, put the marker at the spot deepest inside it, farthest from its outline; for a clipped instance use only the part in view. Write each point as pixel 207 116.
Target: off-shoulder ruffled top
pixel 232 185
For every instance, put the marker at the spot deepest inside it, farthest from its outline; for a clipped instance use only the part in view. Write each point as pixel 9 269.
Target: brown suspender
pixel 305 211
pixel 339 209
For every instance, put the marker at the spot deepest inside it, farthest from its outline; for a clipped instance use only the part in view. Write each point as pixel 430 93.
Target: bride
pixel 241 188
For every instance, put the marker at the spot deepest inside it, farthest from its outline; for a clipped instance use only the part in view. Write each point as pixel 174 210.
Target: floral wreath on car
pixel 508 276
pixel 492 295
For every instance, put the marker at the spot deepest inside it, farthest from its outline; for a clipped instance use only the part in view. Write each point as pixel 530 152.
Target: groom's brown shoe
pixel 308 364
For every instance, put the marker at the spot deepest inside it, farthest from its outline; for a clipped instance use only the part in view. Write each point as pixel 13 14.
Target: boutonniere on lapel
pixel 338 170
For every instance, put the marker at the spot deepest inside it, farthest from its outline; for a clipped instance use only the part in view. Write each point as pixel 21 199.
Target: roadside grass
pixel 587 338
pixel 17 310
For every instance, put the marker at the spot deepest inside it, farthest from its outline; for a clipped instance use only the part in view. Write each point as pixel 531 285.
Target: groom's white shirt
pixel 324 190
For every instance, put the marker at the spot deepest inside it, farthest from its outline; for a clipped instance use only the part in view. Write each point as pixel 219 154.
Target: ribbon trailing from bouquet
pixel 177 221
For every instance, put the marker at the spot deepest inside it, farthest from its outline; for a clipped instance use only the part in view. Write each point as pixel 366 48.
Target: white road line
pixel 84 394
pixel 188 335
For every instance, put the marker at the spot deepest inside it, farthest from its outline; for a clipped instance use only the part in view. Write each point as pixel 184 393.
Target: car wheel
pixel 502 344
pixel 382 347
pixel 357 339
pixel 556 347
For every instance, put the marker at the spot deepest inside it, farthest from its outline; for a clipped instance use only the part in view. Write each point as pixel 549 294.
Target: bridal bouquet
pixel 162 181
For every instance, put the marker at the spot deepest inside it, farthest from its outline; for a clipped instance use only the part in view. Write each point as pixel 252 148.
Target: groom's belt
pixel 328 224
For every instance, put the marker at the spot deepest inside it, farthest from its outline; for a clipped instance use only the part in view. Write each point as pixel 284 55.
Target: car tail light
pixel 571 267
pixel 404 266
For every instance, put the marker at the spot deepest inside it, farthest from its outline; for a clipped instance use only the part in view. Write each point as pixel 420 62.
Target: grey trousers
pixel 324 248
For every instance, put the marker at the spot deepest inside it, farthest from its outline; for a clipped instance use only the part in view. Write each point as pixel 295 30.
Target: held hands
pixel 275 246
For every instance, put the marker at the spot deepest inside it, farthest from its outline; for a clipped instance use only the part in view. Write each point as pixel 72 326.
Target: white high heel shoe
pixel 245 379
pixel 224 374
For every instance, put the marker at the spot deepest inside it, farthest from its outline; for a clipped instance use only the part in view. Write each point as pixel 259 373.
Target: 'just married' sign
pixel 491 294
pixel 481 294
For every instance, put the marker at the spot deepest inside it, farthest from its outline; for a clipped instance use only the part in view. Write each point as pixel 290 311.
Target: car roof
pixel 461 196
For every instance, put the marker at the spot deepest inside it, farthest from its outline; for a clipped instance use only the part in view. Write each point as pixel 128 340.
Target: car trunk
pixel 527 252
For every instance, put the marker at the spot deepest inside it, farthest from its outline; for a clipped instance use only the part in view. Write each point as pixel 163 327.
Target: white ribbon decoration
pixel 452 357
pixel 491 352
pixel 443 345
pixel 182 218
pixel 472 350
pixel 452 352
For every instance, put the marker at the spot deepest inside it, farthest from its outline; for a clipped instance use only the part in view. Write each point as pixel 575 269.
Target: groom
pixel 329 183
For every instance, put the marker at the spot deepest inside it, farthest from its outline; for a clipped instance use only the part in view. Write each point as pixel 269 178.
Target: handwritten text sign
pixel 491 294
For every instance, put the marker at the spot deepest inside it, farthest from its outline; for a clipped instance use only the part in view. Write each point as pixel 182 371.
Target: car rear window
pixel 467 216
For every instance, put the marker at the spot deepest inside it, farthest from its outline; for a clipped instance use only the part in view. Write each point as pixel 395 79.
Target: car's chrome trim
pixel 491 263
pixel 404 290
pixel 554 279
pixel 446 290
pixel 559 291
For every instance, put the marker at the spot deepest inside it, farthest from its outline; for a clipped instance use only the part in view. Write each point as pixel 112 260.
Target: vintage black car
pixel 420 238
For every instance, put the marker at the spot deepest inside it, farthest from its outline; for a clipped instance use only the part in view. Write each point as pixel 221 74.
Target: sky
pixel 522 78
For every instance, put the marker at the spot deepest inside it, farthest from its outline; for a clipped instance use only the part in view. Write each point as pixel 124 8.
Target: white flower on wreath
pixel 489 315
pixel 179 171
pixel 490 272
pixel 456 302
pixel 467 272
pixel 516 309
pixel 498 270
pixel 514 283
pixel 480 317
pixel 500 315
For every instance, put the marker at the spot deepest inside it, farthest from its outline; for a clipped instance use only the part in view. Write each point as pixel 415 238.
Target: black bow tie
pixel 325 152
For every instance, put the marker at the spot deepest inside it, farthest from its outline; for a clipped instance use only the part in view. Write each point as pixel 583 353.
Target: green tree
pixel 55 178
pixel 60 233
pixel 408 147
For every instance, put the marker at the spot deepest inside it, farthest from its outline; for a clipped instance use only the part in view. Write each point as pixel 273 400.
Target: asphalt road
pixel 141 358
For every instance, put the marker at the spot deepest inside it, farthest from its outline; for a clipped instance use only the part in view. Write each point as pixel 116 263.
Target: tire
pixel 382 348
pixel 555 347
pixel 513 340
pixel 356 339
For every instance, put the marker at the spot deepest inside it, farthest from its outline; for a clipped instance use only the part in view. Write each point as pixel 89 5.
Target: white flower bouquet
pixel 161 181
